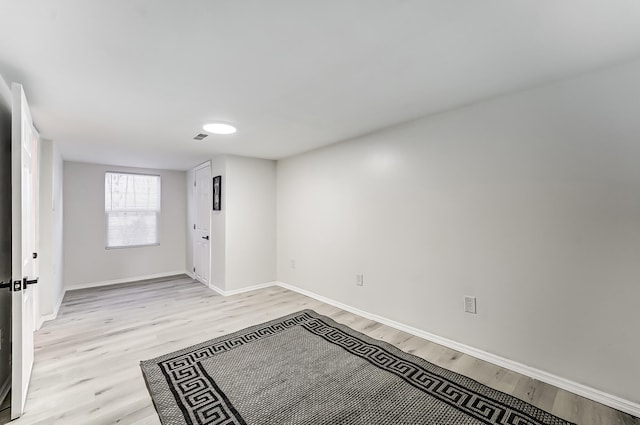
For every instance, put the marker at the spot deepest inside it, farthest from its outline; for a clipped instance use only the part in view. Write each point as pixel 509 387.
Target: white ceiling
pixel 130 82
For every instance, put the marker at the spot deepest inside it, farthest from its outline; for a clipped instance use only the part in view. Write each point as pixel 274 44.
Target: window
pixel 132 209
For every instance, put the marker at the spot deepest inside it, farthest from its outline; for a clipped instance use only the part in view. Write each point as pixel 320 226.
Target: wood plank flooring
pixel 87 370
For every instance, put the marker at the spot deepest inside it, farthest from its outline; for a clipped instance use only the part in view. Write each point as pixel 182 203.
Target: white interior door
pixel 24 223
pixel 201 232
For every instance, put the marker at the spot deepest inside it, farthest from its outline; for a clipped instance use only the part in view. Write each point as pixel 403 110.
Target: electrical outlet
pixel 470 304
pixel 293 264
pixel 359 279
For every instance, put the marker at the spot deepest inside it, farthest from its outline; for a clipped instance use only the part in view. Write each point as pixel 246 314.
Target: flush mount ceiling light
pixel 219 128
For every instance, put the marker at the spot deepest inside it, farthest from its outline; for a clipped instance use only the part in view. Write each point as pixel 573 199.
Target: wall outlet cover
pixel 470 304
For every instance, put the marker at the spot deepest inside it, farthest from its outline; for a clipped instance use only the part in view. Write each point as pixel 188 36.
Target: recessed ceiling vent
pixel 200 136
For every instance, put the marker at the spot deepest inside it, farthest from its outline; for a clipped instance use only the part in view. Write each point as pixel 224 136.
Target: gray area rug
pixel 305 368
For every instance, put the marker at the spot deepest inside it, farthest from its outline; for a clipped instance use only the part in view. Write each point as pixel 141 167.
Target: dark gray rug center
pixel 307 369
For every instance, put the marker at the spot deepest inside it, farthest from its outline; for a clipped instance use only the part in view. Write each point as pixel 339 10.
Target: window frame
pixel 106 213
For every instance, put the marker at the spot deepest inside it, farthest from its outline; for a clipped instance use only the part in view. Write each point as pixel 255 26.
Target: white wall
pixel 530 202
pixel 250 231
pixel 243 235
pixel 217 277
pixel 51 284
pixel 86 261
pixel 191 219
pixel 58 228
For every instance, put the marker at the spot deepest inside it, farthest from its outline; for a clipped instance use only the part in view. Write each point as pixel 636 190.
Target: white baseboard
pixel 563 383
pixel 124 280
pixel 190 274
pixel 5 388
pixel 56 309
pixel 242 290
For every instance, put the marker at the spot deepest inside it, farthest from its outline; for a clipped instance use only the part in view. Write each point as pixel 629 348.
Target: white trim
pixel 124 280
pixel 203 165
pixel 190 274
pixel 242 290
pixel 56 309
pixel 5 388
pixel 566 384
pixel 563 383
pixel 214 288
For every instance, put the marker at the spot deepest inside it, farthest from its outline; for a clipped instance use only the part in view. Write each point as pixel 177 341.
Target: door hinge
pixel 194 269
pixel 194 227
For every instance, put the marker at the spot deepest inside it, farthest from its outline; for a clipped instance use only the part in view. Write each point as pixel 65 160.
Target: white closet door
pixel 24 222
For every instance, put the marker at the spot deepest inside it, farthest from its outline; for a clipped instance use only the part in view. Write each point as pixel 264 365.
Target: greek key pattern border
pixel 203 402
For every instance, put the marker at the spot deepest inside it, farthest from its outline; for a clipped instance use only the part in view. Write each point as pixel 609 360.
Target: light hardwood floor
pixel 87 370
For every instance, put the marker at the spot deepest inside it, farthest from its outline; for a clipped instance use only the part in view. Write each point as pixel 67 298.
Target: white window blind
pixel 132 209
